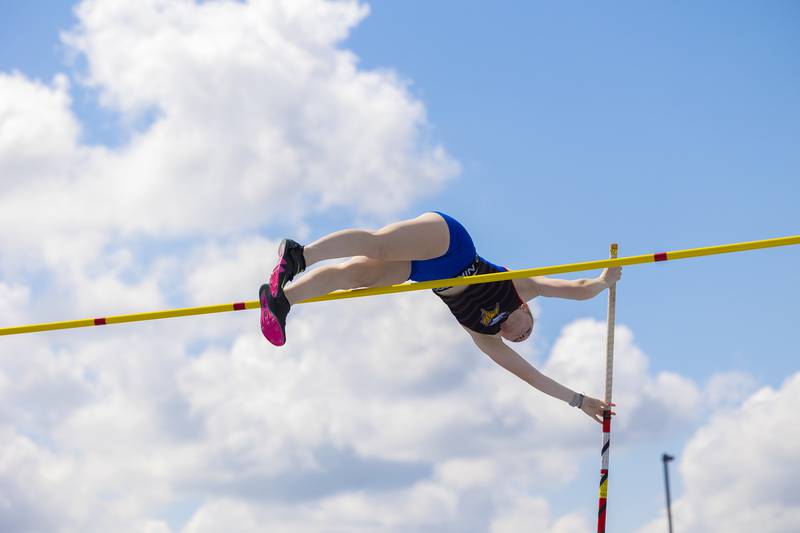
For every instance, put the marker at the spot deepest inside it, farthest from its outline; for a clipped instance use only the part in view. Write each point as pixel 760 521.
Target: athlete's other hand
pixel 611 275
pixel 595 408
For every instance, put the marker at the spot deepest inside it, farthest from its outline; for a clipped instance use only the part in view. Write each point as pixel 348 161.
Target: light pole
pixel 667 458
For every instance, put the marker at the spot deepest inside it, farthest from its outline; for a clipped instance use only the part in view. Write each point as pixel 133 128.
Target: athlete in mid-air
pixel 431 246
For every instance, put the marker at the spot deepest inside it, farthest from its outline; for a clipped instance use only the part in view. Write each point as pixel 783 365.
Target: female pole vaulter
pixel 431 246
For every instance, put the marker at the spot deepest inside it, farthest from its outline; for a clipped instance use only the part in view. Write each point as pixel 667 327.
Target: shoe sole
pixel 270 327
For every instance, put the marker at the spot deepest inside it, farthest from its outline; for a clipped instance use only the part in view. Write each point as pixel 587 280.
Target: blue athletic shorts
pixel 460 254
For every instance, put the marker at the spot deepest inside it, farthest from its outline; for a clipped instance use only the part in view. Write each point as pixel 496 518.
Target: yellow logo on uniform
pixel 488 316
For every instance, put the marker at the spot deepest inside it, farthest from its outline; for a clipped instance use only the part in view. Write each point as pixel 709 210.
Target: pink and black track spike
pixel 274 305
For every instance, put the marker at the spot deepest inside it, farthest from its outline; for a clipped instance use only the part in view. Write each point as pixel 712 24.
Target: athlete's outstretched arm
pixel 505 356
pixel 572 289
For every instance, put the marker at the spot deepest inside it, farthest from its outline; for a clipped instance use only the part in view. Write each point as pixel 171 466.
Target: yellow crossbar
pixel 407 287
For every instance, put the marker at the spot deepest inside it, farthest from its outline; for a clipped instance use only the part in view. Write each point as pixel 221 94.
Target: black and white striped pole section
pixel 603 499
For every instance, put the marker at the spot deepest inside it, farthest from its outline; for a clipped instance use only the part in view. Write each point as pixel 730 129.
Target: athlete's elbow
pixel 584 290
pixel 579 290
pixel 585 293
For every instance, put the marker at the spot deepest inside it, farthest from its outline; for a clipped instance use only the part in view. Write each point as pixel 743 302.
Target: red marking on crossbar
pixel 239 306
pixel 661 256
pixel 99 321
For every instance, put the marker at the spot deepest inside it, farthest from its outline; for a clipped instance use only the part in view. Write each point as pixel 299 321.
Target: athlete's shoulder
pixel 527 288
pixel 482 338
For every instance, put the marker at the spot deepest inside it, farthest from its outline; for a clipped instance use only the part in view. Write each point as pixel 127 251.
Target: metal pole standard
pixel 603 499
pixel 667 458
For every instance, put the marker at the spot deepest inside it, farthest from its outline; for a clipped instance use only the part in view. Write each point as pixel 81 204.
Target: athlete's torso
pixel 482 308
pixel 452 291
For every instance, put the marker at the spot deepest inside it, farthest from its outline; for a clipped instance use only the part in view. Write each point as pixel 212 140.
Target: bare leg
pixel 424 237
pixel 354 273
pixel 378 257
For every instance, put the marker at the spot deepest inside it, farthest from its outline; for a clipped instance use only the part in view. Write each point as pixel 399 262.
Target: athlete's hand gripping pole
pixel 612 301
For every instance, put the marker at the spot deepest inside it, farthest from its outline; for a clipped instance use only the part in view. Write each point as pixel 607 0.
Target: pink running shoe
pixel 273 315
pixel 290 263
pixel 274 305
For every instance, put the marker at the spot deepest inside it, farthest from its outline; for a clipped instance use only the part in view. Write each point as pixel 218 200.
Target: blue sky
pixel 660 127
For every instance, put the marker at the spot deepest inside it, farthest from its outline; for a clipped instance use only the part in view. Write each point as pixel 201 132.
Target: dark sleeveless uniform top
pixel 482 307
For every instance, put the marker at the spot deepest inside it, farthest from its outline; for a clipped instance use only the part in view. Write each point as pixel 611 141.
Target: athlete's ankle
pixel 309 255
pixel 289 293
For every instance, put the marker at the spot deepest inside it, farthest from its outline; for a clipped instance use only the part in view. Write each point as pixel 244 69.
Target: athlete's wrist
pixel 577 400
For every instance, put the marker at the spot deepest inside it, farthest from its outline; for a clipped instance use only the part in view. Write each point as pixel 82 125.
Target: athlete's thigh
pixel 424 237
pixel 369 272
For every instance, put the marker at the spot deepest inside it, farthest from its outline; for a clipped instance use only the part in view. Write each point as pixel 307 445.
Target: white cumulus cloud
pixel 740 470
pixel 244 119
pixel 252 113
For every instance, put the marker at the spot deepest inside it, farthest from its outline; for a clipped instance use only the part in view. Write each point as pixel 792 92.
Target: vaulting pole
pixel 603 500
pixel 407 287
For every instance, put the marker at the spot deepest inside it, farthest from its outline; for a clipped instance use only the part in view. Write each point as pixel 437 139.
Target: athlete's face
pixel 518 326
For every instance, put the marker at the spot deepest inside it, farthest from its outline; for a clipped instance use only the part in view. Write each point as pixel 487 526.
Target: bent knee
pixel 361 271
pixel 378 245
